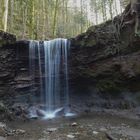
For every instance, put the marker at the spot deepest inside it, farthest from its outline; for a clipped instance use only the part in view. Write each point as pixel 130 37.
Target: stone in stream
pixel 74 124
pixel 2 107
pixel 5 131
pixel 95 132
pixel 5 113
pixel 32 113
pixel 20 132
pixel 103 129
pixel 60 112
pixel 71 136
pixel 35 112
pixel 51 130
pixel 2 129
pixel 40 113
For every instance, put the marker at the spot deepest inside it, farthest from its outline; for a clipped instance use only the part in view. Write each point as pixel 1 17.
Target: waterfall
pixel 49 60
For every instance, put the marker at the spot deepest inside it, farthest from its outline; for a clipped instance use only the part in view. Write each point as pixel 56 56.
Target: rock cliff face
pixel 7 63
pixel 14 63
pixel 103 65
pixel 105 60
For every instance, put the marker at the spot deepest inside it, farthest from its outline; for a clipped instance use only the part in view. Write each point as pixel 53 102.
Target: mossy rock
pixel 88 73
pixel 91 43
pixel 108 86
pixel 2 42
pixel 5 113
pixel 2 108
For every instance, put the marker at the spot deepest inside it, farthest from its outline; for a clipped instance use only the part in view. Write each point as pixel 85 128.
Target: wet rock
pixel 23 86
pixel 60 112
pixel 4 75
pixel 32 113
pixel 40 113
pixel 2 107
pixel 2 125
pixel 50 130
pixel 74 124
pixel 20 132
pixel 103 129
pixel 5 113
pixel 5 131
pixel 21 78
pixel 20 112
pixel 95 132
pixel 2 129
pixel 70 136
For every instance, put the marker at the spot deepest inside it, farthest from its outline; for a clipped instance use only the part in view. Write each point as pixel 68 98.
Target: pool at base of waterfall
pixel 35 113
pixel 52 115
pixel 58 113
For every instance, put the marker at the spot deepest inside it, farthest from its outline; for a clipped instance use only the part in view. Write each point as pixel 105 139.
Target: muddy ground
pixel 93 126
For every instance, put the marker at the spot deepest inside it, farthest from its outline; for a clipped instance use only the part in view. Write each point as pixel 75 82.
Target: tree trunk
pixel 55 18
pixel 5 14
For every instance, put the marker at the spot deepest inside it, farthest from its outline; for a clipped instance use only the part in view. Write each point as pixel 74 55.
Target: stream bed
pixel 94 126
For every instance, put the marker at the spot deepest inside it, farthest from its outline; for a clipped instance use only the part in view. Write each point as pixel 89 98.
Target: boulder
pixel 2 129
pixel 6 38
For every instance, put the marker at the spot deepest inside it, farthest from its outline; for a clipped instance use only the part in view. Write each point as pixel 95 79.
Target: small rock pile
pixel 5 131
